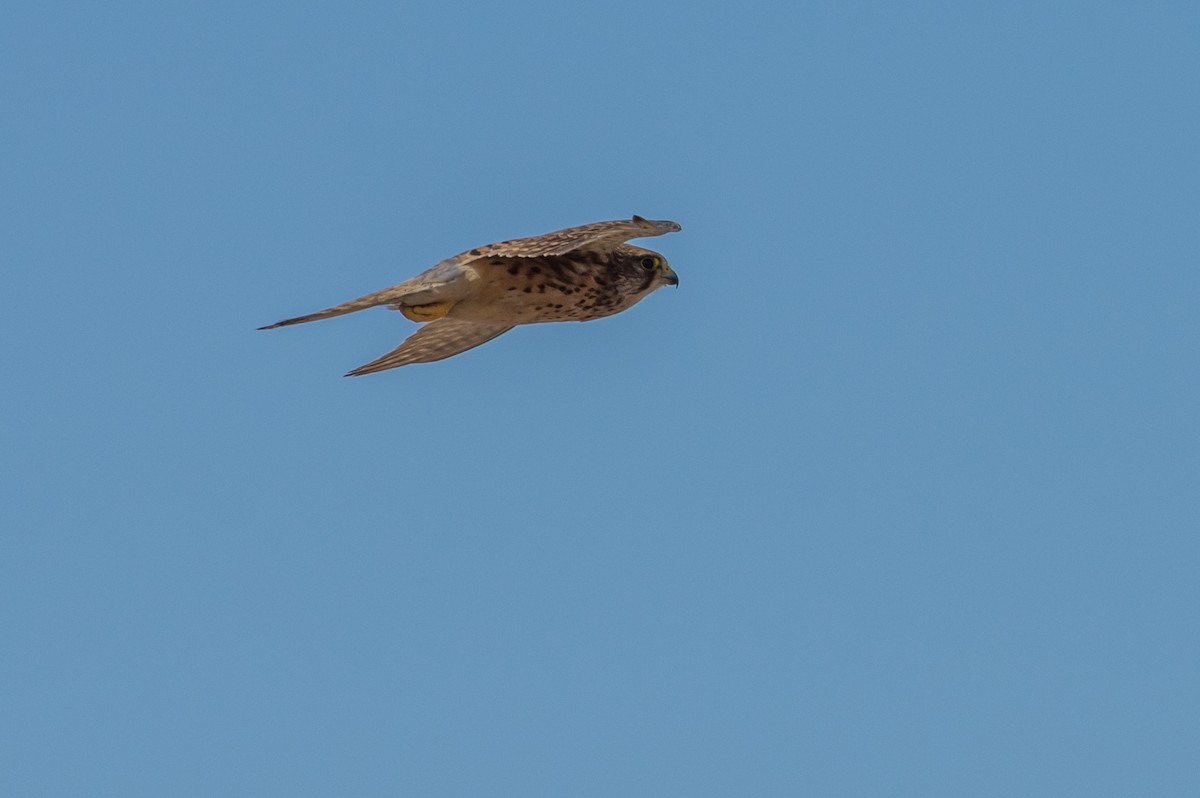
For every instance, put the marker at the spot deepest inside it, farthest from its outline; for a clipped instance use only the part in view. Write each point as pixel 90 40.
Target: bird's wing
pixel 435 341
pixel 595 236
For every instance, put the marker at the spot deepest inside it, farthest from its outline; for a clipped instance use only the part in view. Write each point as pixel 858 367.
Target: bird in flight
pixel 577 274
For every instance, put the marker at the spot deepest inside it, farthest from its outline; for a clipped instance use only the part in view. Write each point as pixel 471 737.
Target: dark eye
pixel 649 263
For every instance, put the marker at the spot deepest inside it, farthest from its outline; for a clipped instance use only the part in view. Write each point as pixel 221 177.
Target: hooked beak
pixel 671 278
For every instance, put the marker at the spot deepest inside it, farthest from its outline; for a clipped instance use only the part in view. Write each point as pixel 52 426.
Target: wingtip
pixel 665 225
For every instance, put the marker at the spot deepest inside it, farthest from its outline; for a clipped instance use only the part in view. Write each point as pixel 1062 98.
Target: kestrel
pixel 577 274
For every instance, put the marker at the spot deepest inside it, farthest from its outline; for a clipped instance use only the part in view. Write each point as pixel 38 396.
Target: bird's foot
pixel 435 310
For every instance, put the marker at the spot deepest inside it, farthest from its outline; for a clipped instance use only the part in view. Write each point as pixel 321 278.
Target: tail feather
pixel 383 297
pixel 435 341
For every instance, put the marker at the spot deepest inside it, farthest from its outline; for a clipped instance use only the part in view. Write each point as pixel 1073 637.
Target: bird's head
pixel 644 269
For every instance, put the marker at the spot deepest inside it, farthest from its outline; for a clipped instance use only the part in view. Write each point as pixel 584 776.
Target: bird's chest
pixel 526 292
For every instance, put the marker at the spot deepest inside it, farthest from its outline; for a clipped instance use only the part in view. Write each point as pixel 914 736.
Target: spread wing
pixel 435 341
pixel 596 236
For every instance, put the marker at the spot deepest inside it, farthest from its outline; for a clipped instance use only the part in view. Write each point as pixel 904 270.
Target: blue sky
pixel 895 495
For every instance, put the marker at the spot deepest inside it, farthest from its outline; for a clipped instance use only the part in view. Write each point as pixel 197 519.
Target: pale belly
pixel 520 307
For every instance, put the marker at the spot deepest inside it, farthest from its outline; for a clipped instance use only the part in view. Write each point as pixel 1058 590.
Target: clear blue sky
pixel 897 494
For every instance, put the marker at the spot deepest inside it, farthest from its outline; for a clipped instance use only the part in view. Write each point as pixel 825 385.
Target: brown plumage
pixel 577 274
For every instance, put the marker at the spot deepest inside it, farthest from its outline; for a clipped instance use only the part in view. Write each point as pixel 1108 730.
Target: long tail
pixel 384 297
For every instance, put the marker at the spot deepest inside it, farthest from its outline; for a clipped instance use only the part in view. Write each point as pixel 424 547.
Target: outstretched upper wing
pixel 598 235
